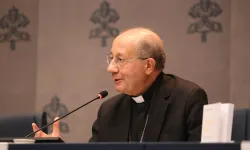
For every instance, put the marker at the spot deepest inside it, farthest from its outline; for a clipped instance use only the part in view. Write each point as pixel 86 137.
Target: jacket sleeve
pixel 194 113
pixel 96 127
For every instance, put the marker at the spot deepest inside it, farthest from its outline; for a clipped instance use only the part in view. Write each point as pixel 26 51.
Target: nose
pixel 112 68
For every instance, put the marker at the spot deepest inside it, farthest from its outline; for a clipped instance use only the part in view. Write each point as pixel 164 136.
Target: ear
pixel 150 66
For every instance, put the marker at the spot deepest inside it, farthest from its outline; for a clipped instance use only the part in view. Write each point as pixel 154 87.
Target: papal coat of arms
pixel 56 109
pixel 10 24
pixel 204 12
pixel 104 17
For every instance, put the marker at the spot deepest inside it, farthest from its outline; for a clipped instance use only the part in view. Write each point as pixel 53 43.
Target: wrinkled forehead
pixel 123 46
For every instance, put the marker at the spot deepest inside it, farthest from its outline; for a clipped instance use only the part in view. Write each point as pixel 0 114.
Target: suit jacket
pixel 175 114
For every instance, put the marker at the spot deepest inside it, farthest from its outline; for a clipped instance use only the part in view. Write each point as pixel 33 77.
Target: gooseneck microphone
pixel 100 96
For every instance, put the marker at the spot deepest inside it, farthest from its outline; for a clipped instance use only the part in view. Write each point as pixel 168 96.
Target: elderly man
pixel 153 106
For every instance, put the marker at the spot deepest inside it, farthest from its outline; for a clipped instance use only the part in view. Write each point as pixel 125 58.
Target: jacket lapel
pixel 157 111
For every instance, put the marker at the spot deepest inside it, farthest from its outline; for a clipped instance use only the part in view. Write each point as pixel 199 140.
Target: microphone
pixel 100 96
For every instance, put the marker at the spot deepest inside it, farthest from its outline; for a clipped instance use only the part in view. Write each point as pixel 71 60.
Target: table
pixel 126 146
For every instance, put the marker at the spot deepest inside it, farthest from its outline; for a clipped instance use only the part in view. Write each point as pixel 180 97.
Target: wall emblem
pixel 104 17
pixel 204 12
pixel 10 24
pixel 56 109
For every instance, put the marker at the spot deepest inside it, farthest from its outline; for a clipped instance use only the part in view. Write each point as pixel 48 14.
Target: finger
pixel 56 128
pixel 35 128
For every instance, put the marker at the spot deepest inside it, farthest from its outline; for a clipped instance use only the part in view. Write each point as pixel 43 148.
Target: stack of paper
pixel 217 122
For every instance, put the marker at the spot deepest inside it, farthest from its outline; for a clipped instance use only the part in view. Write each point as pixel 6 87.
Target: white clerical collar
pixel 138 99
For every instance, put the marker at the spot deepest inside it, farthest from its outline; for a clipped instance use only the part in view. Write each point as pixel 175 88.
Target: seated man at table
pixel 152 106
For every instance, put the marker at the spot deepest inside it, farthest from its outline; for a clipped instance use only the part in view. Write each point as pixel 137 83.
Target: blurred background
pixel 53 52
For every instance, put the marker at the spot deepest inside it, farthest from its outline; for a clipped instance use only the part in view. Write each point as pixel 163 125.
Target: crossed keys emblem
pixel 11 23
pixel 204 11
pixel 104 16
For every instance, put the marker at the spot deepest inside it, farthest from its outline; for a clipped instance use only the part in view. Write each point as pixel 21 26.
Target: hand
pixel 55 132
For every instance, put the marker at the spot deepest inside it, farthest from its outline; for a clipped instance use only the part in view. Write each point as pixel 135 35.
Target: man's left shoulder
pixel 177 83
pixel 184 92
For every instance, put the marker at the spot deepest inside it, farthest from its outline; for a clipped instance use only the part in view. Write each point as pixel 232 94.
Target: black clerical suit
pixel 172 111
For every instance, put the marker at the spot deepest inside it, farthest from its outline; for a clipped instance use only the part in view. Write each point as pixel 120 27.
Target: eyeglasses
pixel 119 61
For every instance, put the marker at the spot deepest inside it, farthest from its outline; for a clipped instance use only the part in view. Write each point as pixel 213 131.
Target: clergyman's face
pixel 128 73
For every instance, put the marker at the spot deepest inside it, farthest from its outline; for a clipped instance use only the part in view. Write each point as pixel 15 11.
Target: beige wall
pixel 240 53
pixel 18 68
pixel 73 67
pixel 69 64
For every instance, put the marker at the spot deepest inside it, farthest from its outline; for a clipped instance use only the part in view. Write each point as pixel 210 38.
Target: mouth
pixel 117 80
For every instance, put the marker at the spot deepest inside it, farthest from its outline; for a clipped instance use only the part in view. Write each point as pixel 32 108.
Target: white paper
pixel 245 145
pixel 4 146
pixel 217 122
pixel 211 123
pixel 227 122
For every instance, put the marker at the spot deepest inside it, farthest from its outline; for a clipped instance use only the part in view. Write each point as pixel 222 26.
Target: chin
pixel 119 89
